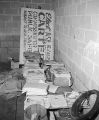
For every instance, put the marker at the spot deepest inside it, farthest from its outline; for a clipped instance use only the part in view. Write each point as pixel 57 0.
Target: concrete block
pixel 96 74
pixel 90 35
pixel 11 11
pixel 5 44
pixel 1 11
pixel 76 2
pixel 4 4
pixel 94 84
pixel 38 1
pixel 11 25
pixel 66 10
pixel 82 76
pixel 80 47
pixel 79 85
pixel 49 1
pixel 16 44
pixel 85 22
pixel 87 66
pixel 25 0
pixel 16 4
pixel 92 7
pixel 77 59
pixel 61 11
pixel 5 18
pixel 16 19
pixel 13 52
pixel 3 54
pixel 81 9
pixel 79 34
pixel 70 53
pixel 72 10
pixel 95 22
pixel 74 44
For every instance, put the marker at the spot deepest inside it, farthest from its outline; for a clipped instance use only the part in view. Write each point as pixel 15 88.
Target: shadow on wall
pixel 9 47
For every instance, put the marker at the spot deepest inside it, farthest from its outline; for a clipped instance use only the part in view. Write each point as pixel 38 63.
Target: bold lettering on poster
pixel 41 19
pixel 41 31
pixel 25 16
pixel 48 21
pixel 30 19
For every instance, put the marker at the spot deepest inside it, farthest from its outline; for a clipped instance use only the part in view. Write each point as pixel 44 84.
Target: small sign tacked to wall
pixel 37 32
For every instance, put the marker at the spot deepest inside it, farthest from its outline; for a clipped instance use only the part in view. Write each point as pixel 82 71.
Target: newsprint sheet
pixel 37 32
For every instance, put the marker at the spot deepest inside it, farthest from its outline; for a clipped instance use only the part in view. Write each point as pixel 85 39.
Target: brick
pixel 87 66
pixel 90 35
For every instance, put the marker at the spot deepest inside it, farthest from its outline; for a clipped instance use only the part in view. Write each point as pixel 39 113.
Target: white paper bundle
pixel 35 89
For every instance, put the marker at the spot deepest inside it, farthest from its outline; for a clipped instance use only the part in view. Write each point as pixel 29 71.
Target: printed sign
pixel 37 32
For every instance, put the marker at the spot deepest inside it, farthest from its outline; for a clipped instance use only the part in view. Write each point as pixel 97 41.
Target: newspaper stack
pixel 35 89
pixel 62 76
pixel 34 75
pixel 54 63
pixel 31 64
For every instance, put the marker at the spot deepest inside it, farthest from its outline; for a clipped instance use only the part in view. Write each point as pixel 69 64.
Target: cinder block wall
pixel 10 24
pixel 77 40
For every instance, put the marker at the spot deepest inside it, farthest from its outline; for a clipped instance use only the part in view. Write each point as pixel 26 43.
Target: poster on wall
pixel 37 32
